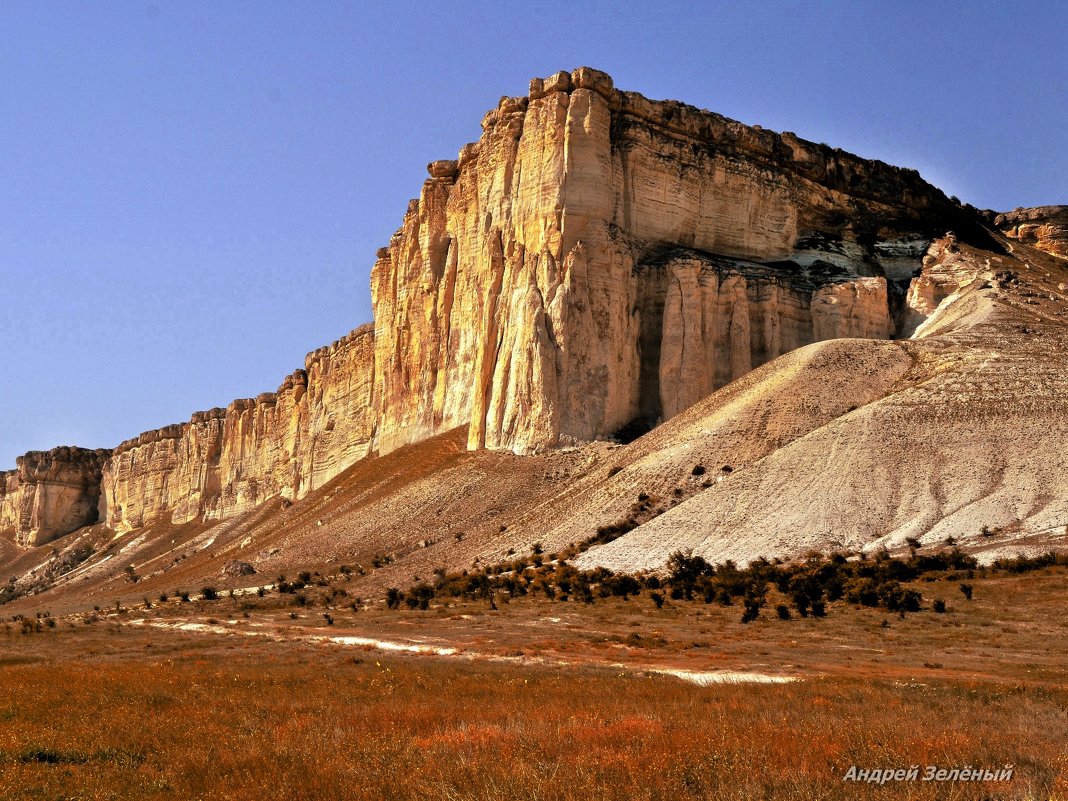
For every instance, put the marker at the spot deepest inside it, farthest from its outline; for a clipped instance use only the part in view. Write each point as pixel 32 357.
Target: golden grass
pixel 114 711
pixel 90 714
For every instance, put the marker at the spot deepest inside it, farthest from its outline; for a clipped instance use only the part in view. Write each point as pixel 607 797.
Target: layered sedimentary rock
pixel 1045 227
pixel 707 321
pixel 224 461
pixel 517 296
pixel 593 265
pixel 220 463
pixel 50 493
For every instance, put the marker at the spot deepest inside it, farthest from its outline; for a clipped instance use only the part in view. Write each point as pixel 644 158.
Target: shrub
pixel 897 599
pixel 862 591
pixel 209 593
pixel 608 533
pixel 754 600
pixel 1023 564
pixel 752 609
pixel 684 569
pixel 805 591
pixel 966 589
pixel 657 599
pixel 783 611
pixel 940 606
pixel 623 585
pixel 420 596
pixel 394 598
pixel 584 592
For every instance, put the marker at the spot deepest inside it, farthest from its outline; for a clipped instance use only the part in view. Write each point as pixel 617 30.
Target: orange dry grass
pixel 284 723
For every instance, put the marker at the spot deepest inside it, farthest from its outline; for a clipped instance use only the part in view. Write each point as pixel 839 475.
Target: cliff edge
pixel 593 266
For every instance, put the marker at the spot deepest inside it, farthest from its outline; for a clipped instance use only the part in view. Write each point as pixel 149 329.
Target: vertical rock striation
pixel 225 461
pixel 527 293
pixel 594 264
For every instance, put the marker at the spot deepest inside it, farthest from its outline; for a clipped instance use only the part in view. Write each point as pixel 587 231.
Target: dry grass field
pixel 542 700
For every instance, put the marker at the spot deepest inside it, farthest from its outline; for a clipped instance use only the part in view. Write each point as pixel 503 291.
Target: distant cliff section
pixel 222 462
pixel 593 265
pixel 50 493
pixel 226 461
pixel 1044 227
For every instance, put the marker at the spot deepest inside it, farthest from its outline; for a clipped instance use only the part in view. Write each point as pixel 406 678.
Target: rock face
pixel 226 461
pixel 596 263
pixel 597 259
pixel 50 494
pixel 1045 227
pixel 707 321
pixel 220 463
pixel 945 271
pixel 959 431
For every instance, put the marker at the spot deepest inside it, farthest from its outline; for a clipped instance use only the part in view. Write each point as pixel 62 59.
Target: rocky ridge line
pixel 594 264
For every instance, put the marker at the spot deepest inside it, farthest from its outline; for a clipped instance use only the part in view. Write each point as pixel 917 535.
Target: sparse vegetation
pixel 433 728
pixel 809 584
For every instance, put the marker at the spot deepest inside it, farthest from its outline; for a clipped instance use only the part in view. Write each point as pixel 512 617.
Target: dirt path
pixel 232 628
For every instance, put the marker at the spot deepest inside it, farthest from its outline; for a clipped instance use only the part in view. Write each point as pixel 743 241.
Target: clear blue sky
pixel 191 194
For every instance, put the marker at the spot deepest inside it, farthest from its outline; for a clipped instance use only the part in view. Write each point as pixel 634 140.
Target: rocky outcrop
pixel 50 494
pixel 225 461
pixel 945 271
pixel 1044 227
pixel 959 432
pixel 708 321
pixel 515 298
pixel 220 463
pixel 593 265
